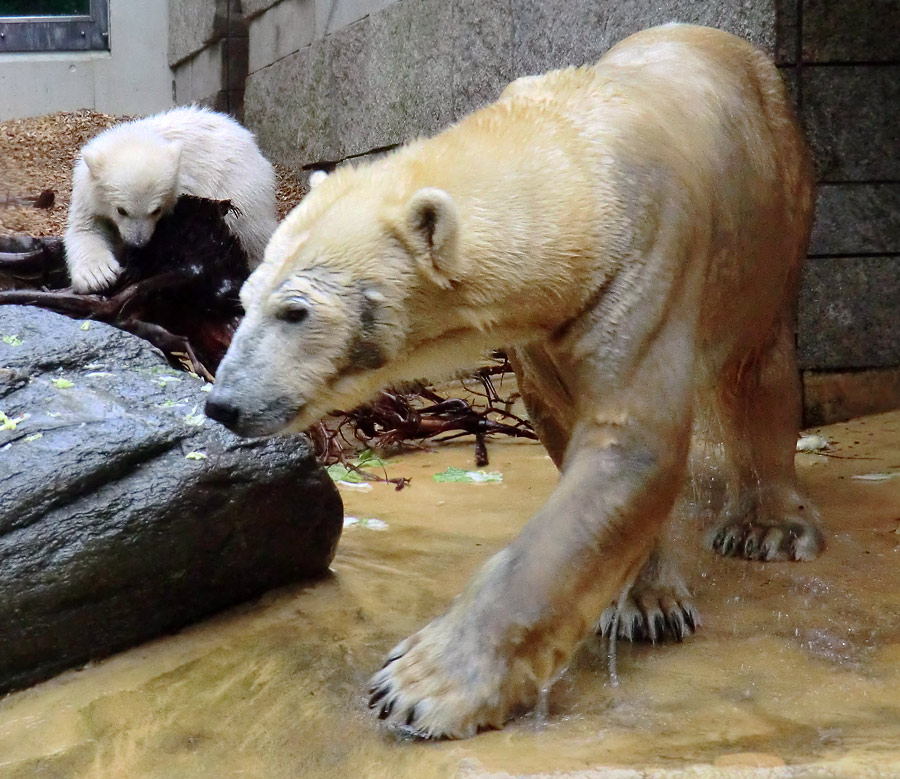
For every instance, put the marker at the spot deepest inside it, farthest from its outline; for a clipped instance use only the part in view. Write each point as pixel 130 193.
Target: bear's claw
pixel 426 691
pixel 756 539
pixel 653 617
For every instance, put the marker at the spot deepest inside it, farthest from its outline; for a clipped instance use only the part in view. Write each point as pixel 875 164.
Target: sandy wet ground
pixel 796 668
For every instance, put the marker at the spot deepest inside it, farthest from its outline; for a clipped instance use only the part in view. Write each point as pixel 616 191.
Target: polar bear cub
pixel 131 175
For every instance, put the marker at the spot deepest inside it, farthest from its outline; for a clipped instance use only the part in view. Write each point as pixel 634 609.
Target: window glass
pixel 54 25
pixel 45 7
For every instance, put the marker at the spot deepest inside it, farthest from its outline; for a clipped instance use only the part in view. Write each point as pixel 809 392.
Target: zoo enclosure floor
pixel 795 672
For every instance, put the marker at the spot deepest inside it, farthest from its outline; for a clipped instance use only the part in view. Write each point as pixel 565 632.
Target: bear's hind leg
pixel 657 607
pixel 757 406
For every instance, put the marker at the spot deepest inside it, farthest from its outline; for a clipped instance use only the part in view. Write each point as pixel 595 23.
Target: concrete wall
pixel 132 78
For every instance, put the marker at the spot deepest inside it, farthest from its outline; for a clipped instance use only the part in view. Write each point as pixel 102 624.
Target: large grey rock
pixel 847 313
pixel 125 513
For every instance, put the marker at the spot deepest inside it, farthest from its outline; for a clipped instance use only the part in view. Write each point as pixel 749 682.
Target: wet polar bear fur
pixel 633 231
pixel 131 175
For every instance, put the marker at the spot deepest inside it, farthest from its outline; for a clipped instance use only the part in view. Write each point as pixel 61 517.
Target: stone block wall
pixel 844 61
pixel 331 80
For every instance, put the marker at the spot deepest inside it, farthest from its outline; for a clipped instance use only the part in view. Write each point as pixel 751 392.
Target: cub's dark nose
pixel 222 411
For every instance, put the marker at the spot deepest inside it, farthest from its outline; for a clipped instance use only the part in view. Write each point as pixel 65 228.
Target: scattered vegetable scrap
pixel 471 477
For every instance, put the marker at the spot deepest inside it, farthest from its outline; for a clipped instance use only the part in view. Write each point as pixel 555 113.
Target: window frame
pixel 57 33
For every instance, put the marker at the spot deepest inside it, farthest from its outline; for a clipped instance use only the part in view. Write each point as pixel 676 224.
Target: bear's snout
pixel 222 410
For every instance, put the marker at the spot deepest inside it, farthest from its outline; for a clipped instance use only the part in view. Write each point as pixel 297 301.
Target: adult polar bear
pixel 635 231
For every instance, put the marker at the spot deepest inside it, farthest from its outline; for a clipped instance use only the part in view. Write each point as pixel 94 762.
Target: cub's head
pixel 331 313
pixel 135 180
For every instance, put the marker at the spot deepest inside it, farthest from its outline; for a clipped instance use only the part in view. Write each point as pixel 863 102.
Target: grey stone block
pixel 193 24
pixel 235 51
pixel 847 315
pixel 317 136
pixel 284 29
pixel 411 69
pixel 360 109
pixel 334 15
pixel 370 84
pixel 253 8
pixel 200 78
pixel 791 82
pixel 482 52
pixel 207 73
pixel 856 219
pixel 851 117
pixel 275 109
pixel 786 30
pixel 549 34
pixel 858 31
pixel 181 83
pixel 835 396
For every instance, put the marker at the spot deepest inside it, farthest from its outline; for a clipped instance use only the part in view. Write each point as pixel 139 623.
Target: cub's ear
pixel 95 162
pixel 316 178
pixel 430 228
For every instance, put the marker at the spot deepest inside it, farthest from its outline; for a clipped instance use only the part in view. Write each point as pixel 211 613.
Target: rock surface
pixel 124 512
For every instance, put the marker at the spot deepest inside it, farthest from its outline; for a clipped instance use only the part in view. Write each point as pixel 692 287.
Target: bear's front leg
pixel 92 264
pixel 515 627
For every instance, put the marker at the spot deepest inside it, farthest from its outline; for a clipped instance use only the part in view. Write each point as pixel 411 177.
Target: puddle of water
pixel 797 663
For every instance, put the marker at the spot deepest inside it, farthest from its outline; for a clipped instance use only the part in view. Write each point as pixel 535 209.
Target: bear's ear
pixel 316 178
pixel 94 161
pixel 431 230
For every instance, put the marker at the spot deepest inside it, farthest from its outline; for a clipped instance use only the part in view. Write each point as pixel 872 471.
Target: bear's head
pixel 343 304
pixel 135 177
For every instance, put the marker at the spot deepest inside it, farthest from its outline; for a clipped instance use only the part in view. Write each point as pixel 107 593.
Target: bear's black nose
pixel 222 411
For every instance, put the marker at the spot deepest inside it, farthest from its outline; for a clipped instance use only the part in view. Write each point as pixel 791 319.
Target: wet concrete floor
pixel 796 670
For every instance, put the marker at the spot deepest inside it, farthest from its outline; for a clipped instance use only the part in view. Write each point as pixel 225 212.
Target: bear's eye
pixel 122 211
pixel 156 211
pixel 294 315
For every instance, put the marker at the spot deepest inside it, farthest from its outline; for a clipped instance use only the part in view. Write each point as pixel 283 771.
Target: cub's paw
pixel 94 272
pixel 755 538
pixel 442 684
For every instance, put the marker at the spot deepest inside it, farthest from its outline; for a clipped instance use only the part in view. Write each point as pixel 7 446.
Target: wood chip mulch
pixel 38 154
